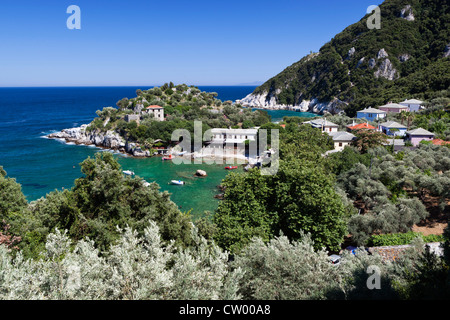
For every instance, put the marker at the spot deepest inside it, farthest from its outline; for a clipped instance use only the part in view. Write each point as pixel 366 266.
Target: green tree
pixel 12 200
pixel 242 213
pixel 100 200
pixel 299 198
pixel 368 139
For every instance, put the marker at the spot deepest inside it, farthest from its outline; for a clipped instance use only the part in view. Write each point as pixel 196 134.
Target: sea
pixel 43 165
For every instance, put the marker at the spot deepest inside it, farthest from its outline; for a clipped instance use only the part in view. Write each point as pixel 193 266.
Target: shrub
pixel 397 239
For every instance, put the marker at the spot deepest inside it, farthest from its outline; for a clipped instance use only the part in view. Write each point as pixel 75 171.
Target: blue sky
pixel 139 42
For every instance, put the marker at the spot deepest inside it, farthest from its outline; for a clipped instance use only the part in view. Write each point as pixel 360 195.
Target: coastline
pixel 269 101
pixel 112 141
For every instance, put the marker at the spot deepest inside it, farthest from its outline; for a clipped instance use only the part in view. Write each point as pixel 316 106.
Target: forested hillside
pixel 360 67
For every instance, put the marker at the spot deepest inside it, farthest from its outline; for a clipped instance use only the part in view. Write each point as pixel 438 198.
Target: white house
pixel 341 139
pixel 323 124
pixel 371 114
pixel 231 137
pixel 414 105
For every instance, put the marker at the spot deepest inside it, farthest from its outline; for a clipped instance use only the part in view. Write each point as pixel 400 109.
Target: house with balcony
pixel 234 138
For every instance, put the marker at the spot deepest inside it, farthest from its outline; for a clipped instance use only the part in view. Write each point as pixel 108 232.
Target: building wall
pixel 412 107
pixel 330 129
pixel 370 116
pixel 158 113
pixel 415 140
pixel 400 133
pixel 132 117
pixel 394 110
pixel 340 145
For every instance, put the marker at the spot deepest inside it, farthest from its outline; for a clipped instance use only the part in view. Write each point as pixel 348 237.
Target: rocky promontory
pixel 108 140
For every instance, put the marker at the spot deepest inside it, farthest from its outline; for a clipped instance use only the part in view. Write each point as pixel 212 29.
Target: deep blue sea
pixel 42 165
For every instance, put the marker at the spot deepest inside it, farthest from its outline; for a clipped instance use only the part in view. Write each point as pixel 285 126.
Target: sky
pixel 151 42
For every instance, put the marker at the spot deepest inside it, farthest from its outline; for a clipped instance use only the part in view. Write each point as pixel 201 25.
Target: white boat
pixel 146 183
pixel 178 182
pixel 129 173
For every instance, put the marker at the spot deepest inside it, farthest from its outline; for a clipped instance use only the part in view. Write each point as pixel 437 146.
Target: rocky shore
pixel 269 101
pixel 109 140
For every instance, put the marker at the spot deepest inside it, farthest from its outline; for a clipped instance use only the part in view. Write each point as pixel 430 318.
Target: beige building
pixel 157 111
pixel 341 139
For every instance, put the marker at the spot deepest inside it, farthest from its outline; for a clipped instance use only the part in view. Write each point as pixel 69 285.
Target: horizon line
pixel 116 86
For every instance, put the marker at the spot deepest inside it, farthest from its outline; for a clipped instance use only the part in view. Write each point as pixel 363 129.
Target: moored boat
pixel 129 172
pixel 231 167
pixel 177 182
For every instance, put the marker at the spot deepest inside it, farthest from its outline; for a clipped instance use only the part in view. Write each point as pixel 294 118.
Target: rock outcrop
pixel 109 139
pixel 407 13
pixel 386 70
pixel 265 101
pixel 447 51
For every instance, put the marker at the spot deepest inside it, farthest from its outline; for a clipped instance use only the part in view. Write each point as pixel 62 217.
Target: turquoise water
pixel 42 165
pixel 277 115
pixel 197 194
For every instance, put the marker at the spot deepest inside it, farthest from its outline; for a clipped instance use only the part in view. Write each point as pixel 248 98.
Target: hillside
pixel 360 67
pixel 133 129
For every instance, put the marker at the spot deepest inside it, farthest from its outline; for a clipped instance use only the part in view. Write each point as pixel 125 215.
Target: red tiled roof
pixel 361 126
pixel 154 107
pixel 440 142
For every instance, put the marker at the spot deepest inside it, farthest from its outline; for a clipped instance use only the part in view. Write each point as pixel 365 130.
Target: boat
pixel 146 183
pixel 169 157
pixel 129 173
pixel 231 167
pixel 178 182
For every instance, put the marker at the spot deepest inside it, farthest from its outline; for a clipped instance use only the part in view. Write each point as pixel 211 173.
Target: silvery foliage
pixel 356 275
pixel 283 270
pixel 134 268
pixel 286 270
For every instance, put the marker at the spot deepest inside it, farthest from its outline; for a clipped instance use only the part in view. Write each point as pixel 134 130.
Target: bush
pixel 397 239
